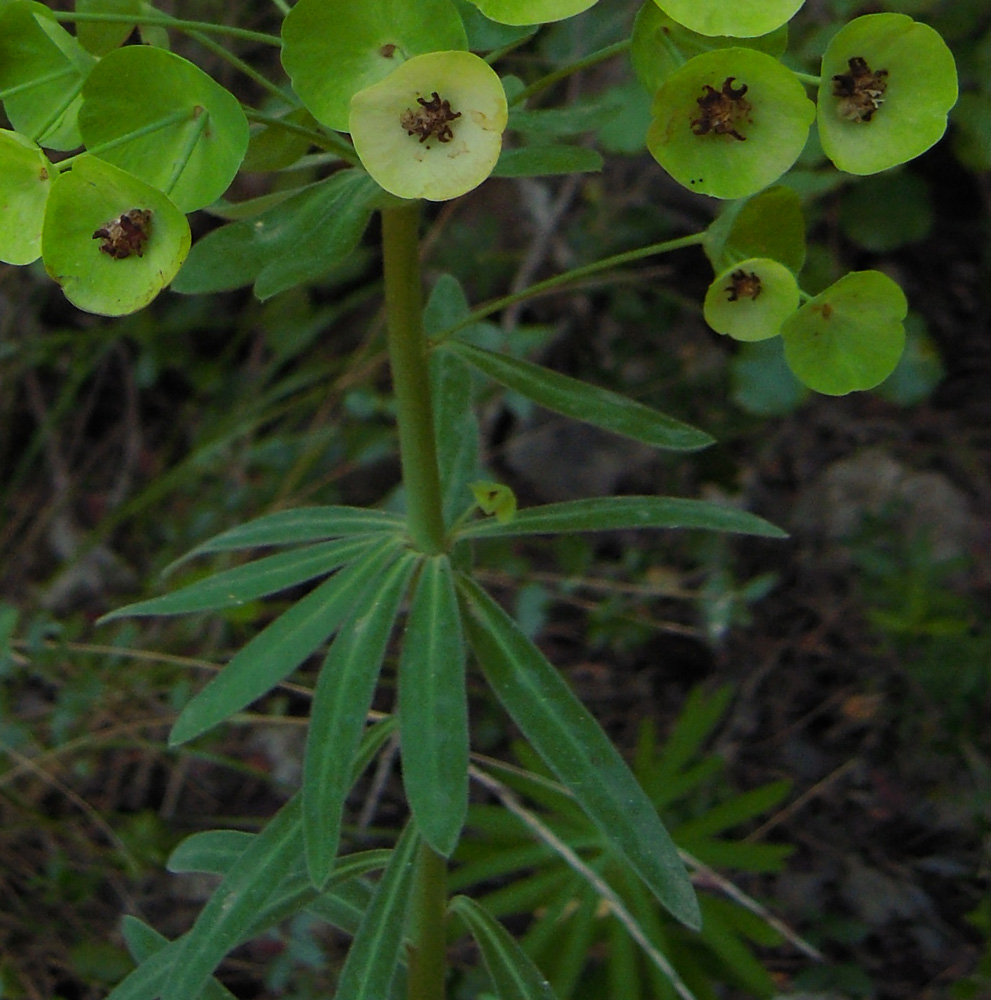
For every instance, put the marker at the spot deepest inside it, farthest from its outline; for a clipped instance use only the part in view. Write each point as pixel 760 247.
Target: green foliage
pixel 387 104
pixel 682 782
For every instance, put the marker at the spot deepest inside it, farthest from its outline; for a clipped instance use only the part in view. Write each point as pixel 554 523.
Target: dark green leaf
pixel 513 974
pixel 455 422
pixel 234 587
pixel 574 746
pixel 589 403
pixel 302 524
pixel 233 908
pixel 375 951
pixel 340 705
pixel 619 513
pixel 278 649
pixel 735 811
pixel 547 161
pixel 433 709
pixel 145 943
pixel 210 851
pixel 297 241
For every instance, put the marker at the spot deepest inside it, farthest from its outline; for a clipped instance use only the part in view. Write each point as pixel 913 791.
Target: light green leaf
pixel 510 969
pixel 433 709
pixel 278 649
pixel 531 11
pixel 769 224
pixel 660 45
pixel 334 48
pixel 741 17
pixel 576 749
pixel 159 117
pixel 588 403
pixel 95 196
pixel 375 951
pixel 297 241
pixel 100 37
pixel 848 337
pixel 25 179
pixel 619 513
pixel 234 587
pixel 539 160
pixel 42 69
pixel 340 705
pixel 301 524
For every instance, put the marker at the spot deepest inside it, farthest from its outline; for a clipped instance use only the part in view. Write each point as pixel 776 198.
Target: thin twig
pixel 605 891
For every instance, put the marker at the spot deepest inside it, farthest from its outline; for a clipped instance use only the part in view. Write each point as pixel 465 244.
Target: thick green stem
pixel 427 961
pixel 410 375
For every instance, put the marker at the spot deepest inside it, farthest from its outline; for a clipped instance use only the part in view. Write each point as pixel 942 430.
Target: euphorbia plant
pixel 406 103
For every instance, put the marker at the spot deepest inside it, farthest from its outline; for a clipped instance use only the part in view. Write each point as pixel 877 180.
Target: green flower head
pixel 432 128
pixel 729 122
pixel 888 83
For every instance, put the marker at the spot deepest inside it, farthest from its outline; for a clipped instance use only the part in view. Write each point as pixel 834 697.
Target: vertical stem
pixel 410 375
pixel 427 962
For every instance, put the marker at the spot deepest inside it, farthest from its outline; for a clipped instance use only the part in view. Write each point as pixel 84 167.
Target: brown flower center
pixel 743 285
pixel 125 235
pixel 722 110
pixel 431 118
pixel 861 91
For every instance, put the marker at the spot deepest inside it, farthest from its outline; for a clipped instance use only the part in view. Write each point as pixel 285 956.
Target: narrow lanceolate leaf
pixel 433 709
pixel 575 748
pixel 620 513
pixel 589 403
pixel 511 970
pixel 277 650
pixel 340 705
pixel 233 908
pixel 303 524
pixel 234 587
pixel 375 951
pixel 156 955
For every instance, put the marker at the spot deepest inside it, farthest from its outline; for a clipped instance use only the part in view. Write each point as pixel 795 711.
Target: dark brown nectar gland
pixel 861 91
pixel 125 235
pixel 432 119
pixel 722 110
pixel 743 285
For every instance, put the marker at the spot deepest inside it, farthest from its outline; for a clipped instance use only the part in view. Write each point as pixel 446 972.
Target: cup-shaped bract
pixel 850 336
pixel 659 45
pixel 743 18
pixel 888 84
pixel 531 11
pixel 751 299
pixel 110 240
pixel 331 49
pixel 729 122
pixel 26 176
pixel 433 128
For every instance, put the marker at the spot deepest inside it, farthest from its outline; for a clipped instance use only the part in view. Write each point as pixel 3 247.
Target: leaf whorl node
pixel 432 118
pixel 722 110
pixel 743 285
pixel 125 235
pixel 861 91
